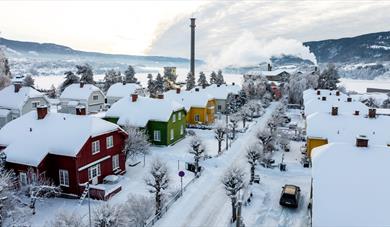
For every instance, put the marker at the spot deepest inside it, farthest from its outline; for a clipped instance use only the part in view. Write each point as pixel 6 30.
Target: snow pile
pixel 120 90
pixel 188 99
pixel 345 127
pixel 9 99
pixel 74 91
pixel 138 113
pixel 28 140
pixel 350 185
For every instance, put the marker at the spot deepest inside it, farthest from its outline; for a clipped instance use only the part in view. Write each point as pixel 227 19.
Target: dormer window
pixel 95 147
pixel 35 104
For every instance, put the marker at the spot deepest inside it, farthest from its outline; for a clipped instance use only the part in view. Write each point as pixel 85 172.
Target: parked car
pixel 290 196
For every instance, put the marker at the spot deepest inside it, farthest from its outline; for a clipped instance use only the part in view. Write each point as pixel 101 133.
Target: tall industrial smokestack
pixel 192 46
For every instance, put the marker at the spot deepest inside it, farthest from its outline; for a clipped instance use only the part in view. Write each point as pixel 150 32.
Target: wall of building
pixel 313 143
pixel 28 105
pixel 95 105
pixel 176 126
pixel 160 126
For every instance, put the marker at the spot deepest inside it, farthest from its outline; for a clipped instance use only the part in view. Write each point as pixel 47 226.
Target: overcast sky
pixel 162 27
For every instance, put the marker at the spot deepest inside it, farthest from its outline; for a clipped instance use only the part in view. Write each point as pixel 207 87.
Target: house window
pixel 197 117
pixel 115 162
pixel 34 178
pixel 219 107
pixel 35 104
pixel 110 142
pixel 157 135
pixel 172 134
pixel 181 129
pixel 179 116
pixel 95 97
pixel 173 118
pixel 95 147
pixel 64 177
pixel 23 178
pixel 94 171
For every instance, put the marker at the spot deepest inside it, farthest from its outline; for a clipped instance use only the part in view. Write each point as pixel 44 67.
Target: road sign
pixel 181 173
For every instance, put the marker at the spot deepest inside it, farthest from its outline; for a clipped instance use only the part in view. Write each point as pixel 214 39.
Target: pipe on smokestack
pixel 192 45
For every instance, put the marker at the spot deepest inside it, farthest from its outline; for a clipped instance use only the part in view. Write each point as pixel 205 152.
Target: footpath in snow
pixel 205 202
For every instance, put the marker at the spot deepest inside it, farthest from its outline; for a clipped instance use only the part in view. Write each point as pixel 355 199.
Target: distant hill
pixel 364 48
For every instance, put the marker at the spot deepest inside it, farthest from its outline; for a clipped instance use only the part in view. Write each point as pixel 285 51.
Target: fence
pixel 152 220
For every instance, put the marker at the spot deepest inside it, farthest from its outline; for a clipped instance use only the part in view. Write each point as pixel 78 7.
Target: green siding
pixel 112 119
pixel 176 126
pixel 157 125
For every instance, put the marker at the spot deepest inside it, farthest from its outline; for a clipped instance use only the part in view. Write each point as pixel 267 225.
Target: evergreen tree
pixel 130 75
pixel 202 81
pixel 70 78
pixel 28 81
pixel 213 78
pixel 220 79
pixel 111 78
pixel 5 74
pixel 85 71
pixel 53 92
pixel 386 103
pixel 169 75
pixel 151 86
pixel 190 81
pixel 159 84
pixel 329 78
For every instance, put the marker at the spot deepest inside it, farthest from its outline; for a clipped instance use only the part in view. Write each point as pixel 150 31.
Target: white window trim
pixel 94 163
pixel 181 129
pixel 115 162
pixel 110 145
pixel 35 102
pixel 179 116
pixel 65 174
pixel 173 118
pixel 93 147
pixel 172 133
pixel 197 115
pixel 25 178
pixel 155 133
pixel 98 171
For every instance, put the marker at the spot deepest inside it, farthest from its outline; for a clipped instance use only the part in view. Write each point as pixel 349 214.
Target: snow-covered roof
pixel 345 127
pixel 74 91
pixel 190 99
pixel 28 140
pixel 138 113
pixel 220 92
pixel 277 72
pixel 120 90
pixel 4 112
pixel 9 99
pixel 318 105
pixel 350 185
pixel 311 94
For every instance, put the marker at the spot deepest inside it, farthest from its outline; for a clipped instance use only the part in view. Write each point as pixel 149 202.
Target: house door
pixel 94 174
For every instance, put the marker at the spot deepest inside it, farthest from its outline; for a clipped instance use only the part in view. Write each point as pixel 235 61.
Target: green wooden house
pixel 163 119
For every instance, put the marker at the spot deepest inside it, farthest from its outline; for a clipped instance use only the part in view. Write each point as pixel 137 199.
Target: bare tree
pixel 197 149
pixel 136 143
pixel 266 138
pixel 233 181
pixel 107 216
pixel 64 218
pixel 234 119
pixel 243 113
pixel 28 81
pixel 158 181
pixel 219 132
pixel 254 153
pixel 137 209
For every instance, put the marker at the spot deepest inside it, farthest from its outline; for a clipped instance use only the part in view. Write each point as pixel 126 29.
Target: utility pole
pixel 89 207
pixel 238 222
pixel 192 66
pixel 227 131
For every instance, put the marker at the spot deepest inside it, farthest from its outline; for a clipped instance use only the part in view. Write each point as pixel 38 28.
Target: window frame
pixel 94 151
pixel 173 118
pixel 157 133
pixel 172 134
pixel 33 106
pixel 93 97
pixel 109 142
pixel 98 171
pixel 23 180
pixel 179 116
pixel 181 129
pixel 63 178
pixel 197 116
pixel 115 162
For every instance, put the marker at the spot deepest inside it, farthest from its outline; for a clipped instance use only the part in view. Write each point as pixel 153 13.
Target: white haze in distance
pixel 247 50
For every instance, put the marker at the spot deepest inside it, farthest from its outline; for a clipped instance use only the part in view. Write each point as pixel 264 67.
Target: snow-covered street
pixel 205 202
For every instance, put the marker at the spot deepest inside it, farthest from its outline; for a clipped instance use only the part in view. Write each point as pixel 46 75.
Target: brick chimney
pixel 17 87
pixel 356 112
pixel 323 98
pixel 178 90
pixel 361 141
pixel 349 99
pixel 371 113
pixel 337 93
pixel 41 111
pixel 160 96
pixel 81 110
pixel 218 85
pixel 269 67
pixel 318 92
pixel 335 110
pixel 124 82
pixel 81 84
pixel 134 97
pixel 196 89
pixel 233 83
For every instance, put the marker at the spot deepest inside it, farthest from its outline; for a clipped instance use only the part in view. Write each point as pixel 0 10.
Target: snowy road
pixel 205 202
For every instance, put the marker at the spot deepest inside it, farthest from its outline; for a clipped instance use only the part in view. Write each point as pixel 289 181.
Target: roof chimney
pixel 17 87
pixel 318 92
pixel 124 82
pixel 323 98
pixel 81 110
pixel 337 93
pixel 269 67
pixel 81 84
pixel 371 113
pixel 196 89
pixel 361 141
pixel 41 111
pixel 349 99
pixel 178 90
pixel 356 112
pixel 335 110
pixel 233 83
pixel 134 97
pixel 160 96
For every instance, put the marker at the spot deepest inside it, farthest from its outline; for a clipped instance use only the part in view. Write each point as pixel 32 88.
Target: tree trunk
pixel 234 216
pixel 234 132
pixel 252 173
pixel 243 122
pixel 196 166
pixel 219 146
pixel 158 202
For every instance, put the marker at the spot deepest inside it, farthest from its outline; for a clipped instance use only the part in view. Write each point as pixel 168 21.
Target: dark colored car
pixel 290 196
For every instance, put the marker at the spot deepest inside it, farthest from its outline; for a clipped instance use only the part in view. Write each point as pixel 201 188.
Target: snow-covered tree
pixel 219 134
pixel 234 119
pixel 111 78
pixel 213 78
pixel 254 86
pixel 266 138
pixel 52 92
pixel 64 218
pixel 254 153
pixel 28 81
pixel 7 194
pixel 197 149
pixel 202 81
pixel 233 103
pixel 151 85
pixel 243 114
pixel 371 102
pixel 168 75
pixel 5 73
pixel 253 107
pixel 386 102
pixel 329 78
pixel 190 81
pixel 70 78
pixel 158 181
pixel 107 215
pixel 220 79
pixel 233 181
pixel 159 84
pixel 137 209
pixel 130 75
pixel 136 143
pixel 86 73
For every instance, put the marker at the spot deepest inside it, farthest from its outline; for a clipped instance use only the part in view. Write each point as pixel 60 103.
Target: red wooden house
pixel 70 150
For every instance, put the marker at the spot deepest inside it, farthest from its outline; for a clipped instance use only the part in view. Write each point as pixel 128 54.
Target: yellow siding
pixel 206 114
pixel 313 143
